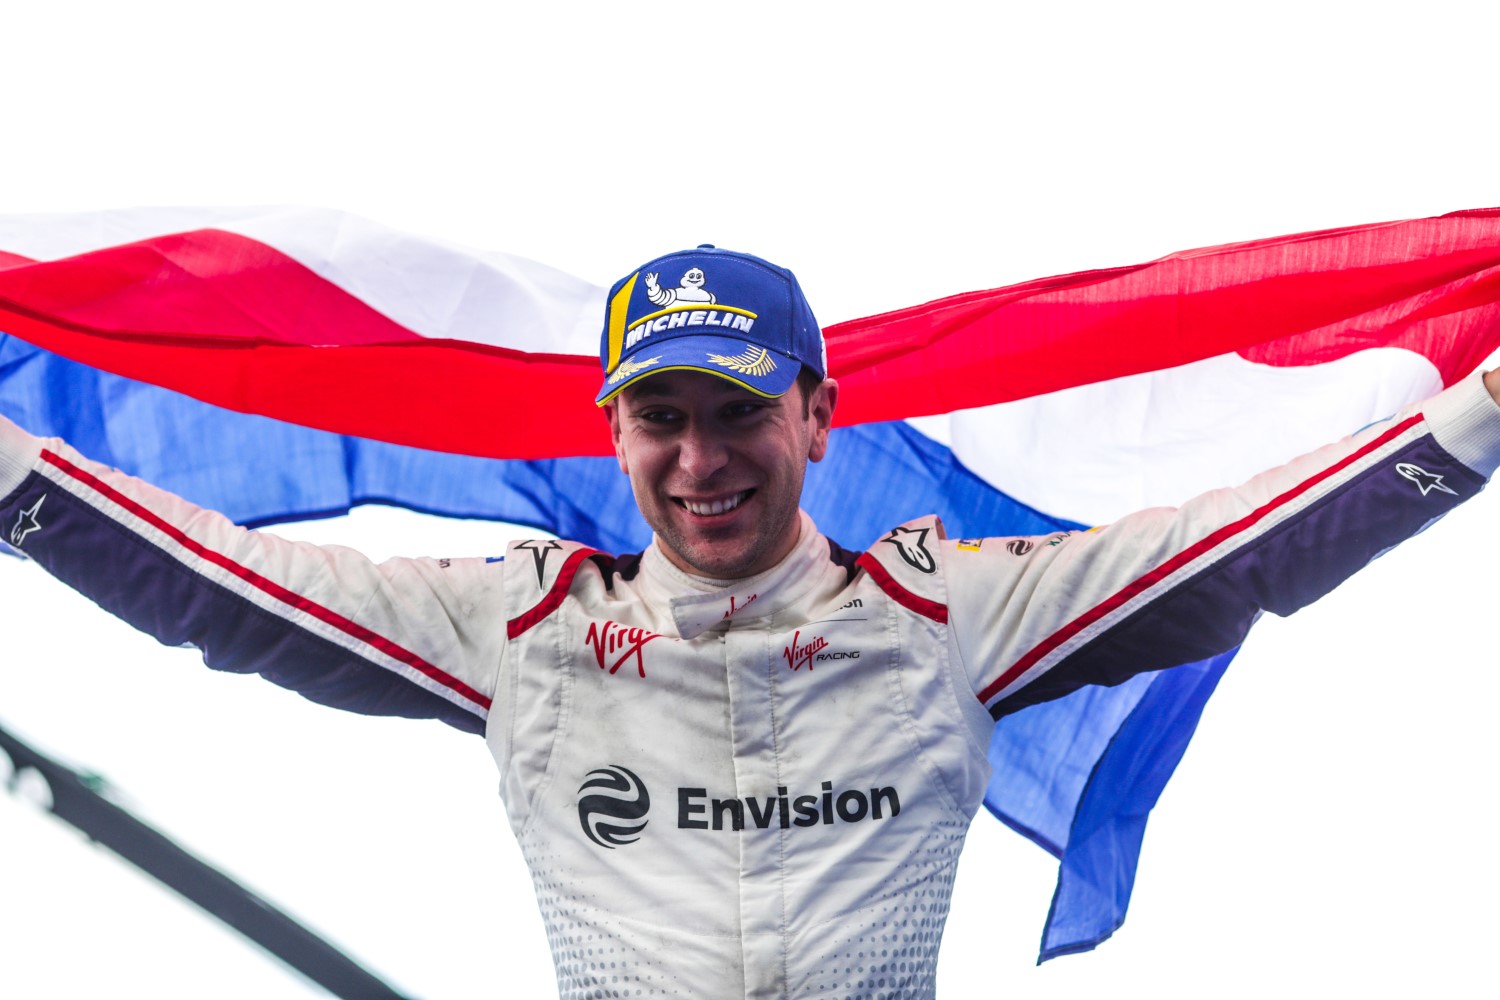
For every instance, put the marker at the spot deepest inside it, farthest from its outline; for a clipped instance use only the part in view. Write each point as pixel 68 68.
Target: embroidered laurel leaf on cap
pixel 755 361
pixel 629 368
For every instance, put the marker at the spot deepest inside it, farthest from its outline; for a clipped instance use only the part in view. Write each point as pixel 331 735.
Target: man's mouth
pixel 708 508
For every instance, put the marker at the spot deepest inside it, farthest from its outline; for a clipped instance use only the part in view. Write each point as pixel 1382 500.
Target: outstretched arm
pixel 407 637
pixel 1039 619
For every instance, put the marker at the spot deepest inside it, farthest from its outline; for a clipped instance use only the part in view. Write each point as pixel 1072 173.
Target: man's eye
pixel 745 409
pixel 657 416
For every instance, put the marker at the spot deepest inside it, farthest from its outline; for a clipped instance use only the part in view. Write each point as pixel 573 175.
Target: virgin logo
pixel 736 608
pixel 614 644
pixel 799 655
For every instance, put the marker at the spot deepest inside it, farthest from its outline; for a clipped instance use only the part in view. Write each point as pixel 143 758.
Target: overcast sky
pixel 1330 828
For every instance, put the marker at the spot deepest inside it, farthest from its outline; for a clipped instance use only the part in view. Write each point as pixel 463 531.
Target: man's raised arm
pixel 1038 618
pixel 409 637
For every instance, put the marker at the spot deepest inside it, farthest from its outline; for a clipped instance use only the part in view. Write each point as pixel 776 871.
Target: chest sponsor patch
pixel 697 810
pixel 614 807
pixel 615 645
pixel 807 650
pixel 736 605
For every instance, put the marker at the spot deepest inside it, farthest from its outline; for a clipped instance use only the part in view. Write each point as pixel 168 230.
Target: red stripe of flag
pixel 236 323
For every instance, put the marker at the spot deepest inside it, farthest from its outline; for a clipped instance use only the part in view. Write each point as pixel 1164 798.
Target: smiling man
pixel 717 468
pixel 715 447
pixel 744 761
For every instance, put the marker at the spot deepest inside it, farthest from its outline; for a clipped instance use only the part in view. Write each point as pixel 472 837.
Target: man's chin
pixel 719 562
pixel 722 556
pixel 724 548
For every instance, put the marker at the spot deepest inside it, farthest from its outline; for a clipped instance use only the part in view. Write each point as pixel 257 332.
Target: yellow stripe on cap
pixel 717 372
pixel 619 307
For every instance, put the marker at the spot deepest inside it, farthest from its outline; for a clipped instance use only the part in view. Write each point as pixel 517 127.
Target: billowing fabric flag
pixel 289 364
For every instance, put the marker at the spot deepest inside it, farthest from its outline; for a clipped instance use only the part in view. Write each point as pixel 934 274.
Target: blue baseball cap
pixel 709 310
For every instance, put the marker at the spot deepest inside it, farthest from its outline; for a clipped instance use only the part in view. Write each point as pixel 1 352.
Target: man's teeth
pixel 716 506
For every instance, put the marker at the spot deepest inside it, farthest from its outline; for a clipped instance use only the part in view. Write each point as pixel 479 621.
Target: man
pixel 742 763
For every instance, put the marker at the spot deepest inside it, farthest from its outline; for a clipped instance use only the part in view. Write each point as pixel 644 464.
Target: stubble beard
pixel 704 558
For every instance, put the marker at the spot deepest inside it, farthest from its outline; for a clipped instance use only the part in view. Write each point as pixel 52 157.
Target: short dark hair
pixel 807 382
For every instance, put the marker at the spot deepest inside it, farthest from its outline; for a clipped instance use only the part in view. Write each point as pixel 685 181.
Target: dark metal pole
pixel 75 801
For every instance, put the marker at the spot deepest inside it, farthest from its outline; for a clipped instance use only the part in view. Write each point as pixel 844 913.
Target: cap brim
pixel 762 371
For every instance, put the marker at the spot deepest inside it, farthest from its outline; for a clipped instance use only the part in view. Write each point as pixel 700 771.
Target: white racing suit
pixel 761 788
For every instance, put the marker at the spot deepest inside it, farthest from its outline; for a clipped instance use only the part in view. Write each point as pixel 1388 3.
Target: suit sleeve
pixel 1037 618
pixel 408 637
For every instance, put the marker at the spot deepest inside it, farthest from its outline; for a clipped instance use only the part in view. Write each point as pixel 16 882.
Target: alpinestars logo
pixel 1426 481
pixel 612 806
pixel 26 522
pixel 912 544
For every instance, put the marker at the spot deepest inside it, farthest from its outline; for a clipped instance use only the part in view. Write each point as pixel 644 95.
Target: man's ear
pixel 612 414
pixel 820 411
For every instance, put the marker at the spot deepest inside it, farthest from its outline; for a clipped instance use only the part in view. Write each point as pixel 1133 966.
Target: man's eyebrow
pixel 667 389
pixel 651 389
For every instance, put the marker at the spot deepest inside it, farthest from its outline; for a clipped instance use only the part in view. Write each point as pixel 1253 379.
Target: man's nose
pixel 702 453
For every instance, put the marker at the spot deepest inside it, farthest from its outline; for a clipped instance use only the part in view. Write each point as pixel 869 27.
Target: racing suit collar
pixel 698 603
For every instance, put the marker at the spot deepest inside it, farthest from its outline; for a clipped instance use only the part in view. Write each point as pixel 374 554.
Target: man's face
pixel 717 470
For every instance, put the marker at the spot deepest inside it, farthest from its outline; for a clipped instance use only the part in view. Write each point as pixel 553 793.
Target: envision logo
pixel 850 805
pixel 613 813
pixel 613 803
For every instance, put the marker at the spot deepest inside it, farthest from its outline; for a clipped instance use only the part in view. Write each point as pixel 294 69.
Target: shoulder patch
pixel 911 544
pixel 538 576
pixel 905 564
pixel 540 551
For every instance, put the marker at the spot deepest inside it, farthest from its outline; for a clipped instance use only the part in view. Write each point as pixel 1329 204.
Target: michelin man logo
pixel 690 289
pixel 687 305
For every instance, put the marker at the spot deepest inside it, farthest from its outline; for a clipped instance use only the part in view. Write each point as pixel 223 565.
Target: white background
pixel 1330 830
